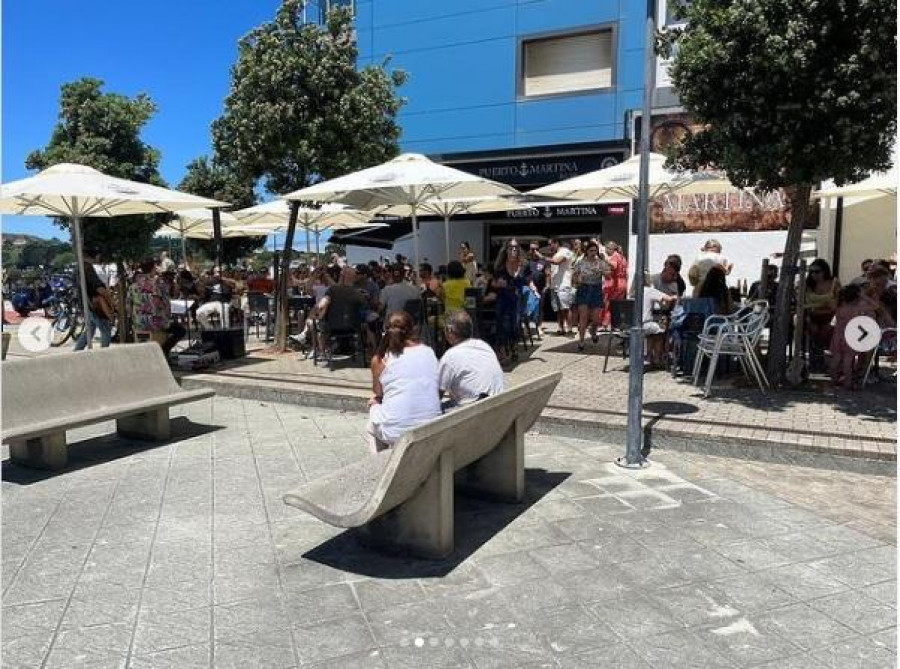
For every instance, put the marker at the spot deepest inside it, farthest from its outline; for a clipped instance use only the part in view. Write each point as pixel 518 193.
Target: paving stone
pixel 745 641
pixel 426 655
pixel 379 594
pixel 803 582
pixel 402 625
pixel 572 630
pixel 616 655
pixel 32 619
pixel 682 648
pixel 804 626
pixel 184 657
pixel 858 653
pixel 273 649
pixel 99 646
pixel 857 611
pixel 25 651
pixel 332 639
pixel 635 616
pixel 324 603
pixel 161 630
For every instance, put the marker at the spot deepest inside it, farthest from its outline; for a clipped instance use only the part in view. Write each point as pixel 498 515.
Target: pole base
pixel 624 464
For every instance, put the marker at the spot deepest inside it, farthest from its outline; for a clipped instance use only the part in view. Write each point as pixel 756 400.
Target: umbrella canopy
pixel 877 185
pixel 409 180
pixel 278 212
pixel 206 232
pixel 77 191
pixel 621 182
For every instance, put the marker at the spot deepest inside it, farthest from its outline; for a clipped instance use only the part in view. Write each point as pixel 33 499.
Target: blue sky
pixel 179 53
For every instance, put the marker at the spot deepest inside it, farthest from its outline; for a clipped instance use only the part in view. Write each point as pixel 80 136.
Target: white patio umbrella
pixel 409 180
pixel 878 185
pixel 329 215
pixel 447 208
pixel 620 182
pixel 76 191
pixel 190 219
pixel 228 232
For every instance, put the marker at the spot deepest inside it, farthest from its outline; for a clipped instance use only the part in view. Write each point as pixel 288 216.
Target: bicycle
pixel 68 321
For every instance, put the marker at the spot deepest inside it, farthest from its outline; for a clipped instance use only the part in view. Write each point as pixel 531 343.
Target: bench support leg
pixel 152 425
pixel 47 452
pixel 423 525
pixel 500 474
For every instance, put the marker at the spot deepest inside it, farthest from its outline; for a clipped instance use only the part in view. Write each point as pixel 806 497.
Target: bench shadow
pixel 476 521
pixel 100 450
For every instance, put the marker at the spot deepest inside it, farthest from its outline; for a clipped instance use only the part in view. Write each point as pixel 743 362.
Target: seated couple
pixel 407 380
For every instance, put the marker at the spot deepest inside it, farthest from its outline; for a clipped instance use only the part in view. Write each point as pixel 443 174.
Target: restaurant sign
pixel 534 172
pixel 539 211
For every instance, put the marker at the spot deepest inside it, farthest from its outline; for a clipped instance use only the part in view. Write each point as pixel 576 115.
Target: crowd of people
pixel 579 281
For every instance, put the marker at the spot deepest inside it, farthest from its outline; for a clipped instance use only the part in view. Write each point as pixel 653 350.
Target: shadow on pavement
pixel 477 521
pixel 100 450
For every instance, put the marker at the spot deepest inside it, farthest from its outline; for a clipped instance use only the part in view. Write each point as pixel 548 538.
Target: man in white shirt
pixel 560 283
pixel 394 296
pixel 469 370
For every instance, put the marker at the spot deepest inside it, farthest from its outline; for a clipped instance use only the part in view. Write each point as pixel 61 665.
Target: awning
pixel 378 238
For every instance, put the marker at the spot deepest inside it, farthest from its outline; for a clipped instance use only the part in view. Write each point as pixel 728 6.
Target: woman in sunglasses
pixel 588 279
pixel 511 275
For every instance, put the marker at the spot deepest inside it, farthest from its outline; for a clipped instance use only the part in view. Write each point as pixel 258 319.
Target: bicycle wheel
pixel 61 327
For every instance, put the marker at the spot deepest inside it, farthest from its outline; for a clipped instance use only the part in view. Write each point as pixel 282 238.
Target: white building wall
pixel 869 230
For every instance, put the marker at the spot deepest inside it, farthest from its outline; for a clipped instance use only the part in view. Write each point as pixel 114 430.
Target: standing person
pixel 821 304
pixel 588 277
pixel 151 306
pixel 431 287
pixel 511 275
pixel 615 285
pixel 715 286
pixel 845 361
pixel 166 264
pixel 396 294
pixel 469 369
pixel 710 256
pixel 404 384
pixel 467 258
pixel 560 282
pixel 100 310
pixel 538 266
pixel 454 288
pixel 577 251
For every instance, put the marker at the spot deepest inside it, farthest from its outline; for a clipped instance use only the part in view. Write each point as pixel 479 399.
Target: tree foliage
pixel 209 178
pixel 790 93
pixel 299 110
pixel 793 91
pixel 103 131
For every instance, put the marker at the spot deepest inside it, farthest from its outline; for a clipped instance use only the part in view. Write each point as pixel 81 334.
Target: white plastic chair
pixel 737 336
pixel 885 334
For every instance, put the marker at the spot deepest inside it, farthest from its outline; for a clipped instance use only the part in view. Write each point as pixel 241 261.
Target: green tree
pixel 791 93
pixel 209 178
pixel 103 131
pixel 300 111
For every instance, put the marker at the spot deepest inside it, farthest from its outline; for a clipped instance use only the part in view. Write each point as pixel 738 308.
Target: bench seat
pixel 45 397
pixel 101 415
pixel 403 497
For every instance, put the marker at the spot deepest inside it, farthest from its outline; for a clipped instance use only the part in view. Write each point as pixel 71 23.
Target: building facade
pixel 528 92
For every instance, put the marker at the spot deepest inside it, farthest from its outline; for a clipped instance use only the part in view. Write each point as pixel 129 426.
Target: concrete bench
pixel 43 397
pixel 402 498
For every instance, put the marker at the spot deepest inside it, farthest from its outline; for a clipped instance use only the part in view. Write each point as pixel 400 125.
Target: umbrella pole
pixel 82 279
pixel 634 457
pixel 217 234
pixel 415 231
pixel 447 237
pixel 308 248
pixel 317 242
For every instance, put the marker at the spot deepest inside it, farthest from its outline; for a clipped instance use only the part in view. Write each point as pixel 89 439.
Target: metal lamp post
pixel 634 458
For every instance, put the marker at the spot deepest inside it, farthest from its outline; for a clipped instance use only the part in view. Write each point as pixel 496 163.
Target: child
pixel 851 303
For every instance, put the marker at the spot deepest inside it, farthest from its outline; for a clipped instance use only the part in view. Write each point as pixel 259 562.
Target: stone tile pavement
pixel 183 555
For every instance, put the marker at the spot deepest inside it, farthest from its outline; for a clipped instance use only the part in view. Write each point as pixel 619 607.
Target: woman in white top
pixel 404 383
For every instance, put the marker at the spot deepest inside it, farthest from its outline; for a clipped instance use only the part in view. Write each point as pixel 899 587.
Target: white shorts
pixel 561 298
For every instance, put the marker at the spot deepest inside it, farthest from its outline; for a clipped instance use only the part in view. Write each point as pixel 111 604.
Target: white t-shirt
pixel 561 274
pixel 468 370
pixel 651 295
pixel 410 385
pixel 706 261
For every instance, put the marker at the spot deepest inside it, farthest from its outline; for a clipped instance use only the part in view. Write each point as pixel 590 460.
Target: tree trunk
pixel 781 326
pixel 121 308
pixel 281 334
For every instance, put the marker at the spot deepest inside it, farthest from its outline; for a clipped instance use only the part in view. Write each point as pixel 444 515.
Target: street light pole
pixel 634 457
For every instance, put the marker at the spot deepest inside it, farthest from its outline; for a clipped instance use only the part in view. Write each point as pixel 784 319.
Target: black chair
pixel 257 310
pixel 342 323
pixel 621 320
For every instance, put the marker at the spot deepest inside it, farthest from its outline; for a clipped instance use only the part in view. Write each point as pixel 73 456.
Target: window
pixel 568 63
pixel 326 6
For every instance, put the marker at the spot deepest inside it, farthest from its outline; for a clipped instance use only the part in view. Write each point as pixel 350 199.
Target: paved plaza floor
pixel 183 555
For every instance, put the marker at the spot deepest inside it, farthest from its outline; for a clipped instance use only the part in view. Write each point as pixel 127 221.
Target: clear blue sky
pixel 179 53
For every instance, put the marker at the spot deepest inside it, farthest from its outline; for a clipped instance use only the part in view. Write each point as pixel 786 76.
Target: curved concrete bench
pixel 403 497
pixel 43 397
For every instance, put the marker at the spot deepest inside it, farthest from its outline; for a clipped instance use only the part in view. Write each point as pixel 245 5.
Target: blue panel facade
pixel 462 61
